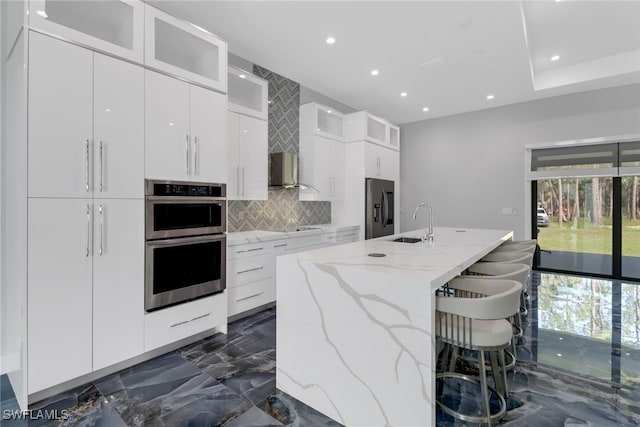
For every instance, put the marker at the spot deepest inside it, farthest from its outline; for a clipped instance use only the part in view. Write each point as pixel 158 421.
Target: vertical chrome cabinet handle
pixel 238 181
pixel 186 151
pixel 195 156
pixel 86 165
pixel 88 229
pixel 101 228
pixel 243 181
pixel 101 166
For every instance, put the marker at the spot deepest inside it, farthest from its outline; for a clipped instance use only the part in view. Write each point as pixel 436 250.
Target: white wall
pixel 470 166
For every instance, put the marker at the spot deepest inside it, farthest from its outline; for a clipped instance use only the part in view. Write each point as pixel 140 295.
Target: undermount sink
pixel 407 240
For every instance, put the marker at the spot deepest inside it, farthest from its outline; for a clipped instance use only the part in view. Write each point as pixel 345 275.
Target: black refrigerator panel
pixel 379 205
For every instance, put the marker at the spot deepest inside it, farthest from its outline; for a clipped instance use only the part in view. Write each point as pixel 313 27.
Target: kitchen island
pixel 355 324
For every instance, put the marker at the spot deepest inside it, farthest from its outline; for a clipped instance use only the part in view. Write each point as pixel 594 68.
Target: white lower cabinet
pixel 172 324
pixel 251 268
pixel 250 277
pixel 245 297
pixel 59 293
pixel 340 237
pixel 85 272
pixel 118 278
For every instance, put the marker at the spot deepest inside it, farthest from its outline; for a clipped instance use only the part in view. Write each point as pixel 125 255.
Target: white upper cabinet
pixel 118 146
pixel 183 50
pixel 114 26
pixel 247 93
pixel 208 132
pixel 167 144
pixel 86 133
pixel 322 166
pixel 60 118
pixel 185 131
pixel 321 120
pixel 363 126
pixel 394 136
pixel 381 162
pixel 248 158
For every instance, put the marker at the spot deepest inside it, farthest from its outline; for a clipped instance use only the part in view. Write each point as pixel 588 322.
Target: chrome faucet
pixel 428 233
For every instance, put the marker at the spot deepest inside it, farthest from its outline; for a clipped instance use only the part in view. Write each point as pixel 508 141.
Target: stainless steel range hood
pixel 284 171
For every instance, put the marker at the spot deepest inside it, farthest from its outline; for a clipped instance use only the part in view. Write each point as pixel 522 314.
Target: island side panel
pixel 355 345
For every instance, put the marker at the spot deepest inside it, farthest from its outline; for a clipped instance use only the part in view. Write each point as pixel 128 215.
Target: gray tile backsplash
pixel 283 207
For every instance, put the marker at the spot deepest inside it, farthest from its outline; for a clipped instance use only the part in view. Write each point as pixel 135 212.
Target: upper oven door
pixel 184 216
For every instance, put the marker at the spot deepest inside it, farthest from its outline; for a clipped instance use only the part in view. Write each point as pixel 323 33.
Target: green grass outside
pixel 583 237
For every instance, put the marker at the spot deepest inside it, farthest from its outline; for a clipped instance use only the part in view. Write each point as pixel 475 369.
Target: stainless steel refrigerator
pixel 378 208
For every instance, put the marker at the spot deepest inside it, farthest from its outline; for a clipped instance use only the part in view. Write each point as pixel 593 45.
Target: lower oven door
pixel 182 269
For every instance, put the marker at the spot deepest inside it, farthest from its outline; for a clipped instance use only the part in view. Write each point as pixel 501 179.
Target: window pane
pixel 577 157
pixel 631 227
pixel 574 224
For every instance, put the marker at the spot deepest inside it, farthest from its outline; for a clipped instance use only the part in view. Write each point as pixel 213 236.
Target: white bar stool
pixel 473 318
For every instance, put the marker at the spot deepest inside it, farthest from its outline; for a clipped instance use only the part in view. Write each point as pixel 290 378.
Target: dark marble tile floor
pixel 578 367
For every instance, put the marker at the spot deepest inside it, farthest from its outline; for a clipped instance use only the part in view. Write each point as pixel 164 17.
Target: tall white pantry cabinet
pixel 88 110
pixel 85 211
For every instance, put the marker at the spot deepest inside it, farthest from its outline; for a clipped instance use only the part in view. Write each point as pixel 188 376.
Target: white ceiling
pixel 447 55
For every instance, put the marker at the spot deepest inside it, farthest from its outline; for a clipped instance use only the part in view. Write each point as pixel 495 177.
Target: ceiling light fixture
pixel 242 76
pixel 425 109
pixel 330 40
pixel 374 72
pixel 42 13
pixel 328 111
pixel 403 94
pixel 555 57
pixel 490 97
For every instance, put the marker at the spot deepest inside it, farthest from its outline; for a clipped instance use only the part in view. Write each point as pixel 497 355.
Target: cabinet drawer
pixel 171 324
pixel 246 297
pixel 249 269
pixel 299 244
pixel 249 249
pixel 347 236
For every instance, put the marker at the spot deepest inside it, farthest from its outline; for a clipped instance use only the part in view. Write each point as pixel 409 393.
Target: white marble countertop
pixel 356 334
pixel 254 236
pixel 453 251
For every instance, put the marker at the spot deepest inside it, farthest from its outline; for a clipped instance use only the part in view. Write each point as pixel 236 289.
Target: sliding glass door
pixel 630 227
pixel 577 233
pixel 586 208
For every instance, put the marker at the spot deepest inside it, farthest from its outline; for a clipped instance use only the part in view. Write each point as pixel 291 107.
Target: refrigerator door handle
pixel 385 209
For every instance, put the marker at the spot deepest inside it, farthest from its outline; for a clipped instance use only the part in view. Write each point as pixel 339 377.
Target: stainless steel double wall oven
pixel 185 254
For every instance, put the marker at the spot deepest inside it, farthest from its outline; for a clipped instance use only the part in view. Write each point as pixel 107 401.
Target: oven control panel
pixel 184 189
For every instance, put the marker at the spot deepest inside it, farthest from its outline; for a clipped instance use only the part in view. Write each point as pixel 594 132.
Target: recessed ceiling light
pixel 555 57
pixel 242 76
pixel 490 96
pixel 374 72
pixel 328 111
pixel 403 94
pixel 42 13
pixel 425 109
pixel 330 40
